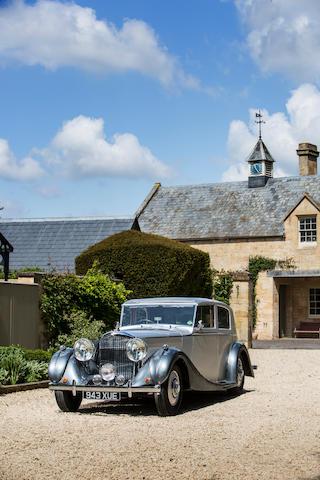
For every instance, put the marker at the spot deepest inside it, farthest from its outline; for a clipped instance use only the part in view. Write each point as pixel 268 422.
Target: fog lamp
pixel 97 379
pixel 119 380
pixel 107 372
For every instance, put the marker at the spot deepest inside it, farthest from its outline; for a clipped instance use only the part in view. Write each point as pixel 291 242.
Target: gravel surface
pixel 272 431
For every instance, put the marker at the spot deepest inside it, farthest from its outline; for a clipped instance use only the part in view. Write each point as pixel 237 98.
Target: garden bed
pixel 23 386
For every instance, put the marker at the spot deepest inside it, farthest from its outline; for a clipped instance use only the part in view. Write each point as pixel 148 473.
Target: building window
pixel 314 301
pixel 308 229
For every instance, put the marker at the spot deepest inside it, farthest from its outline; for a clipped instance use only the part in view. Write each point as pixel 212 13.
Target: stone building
pixel 278 218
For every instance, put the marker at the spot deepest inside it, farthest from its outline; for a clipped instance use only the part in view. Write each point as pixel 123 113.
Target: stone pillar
pixel 267 303
pixel 241 304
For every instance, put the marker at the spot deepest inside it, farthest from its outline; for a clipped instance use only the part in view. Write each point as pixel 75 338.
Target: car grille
pixel 112 349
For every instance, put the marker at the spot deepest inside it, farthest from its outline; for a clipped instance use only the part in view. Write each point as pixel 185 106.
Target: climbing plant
pixel 259 264
pixel 222 285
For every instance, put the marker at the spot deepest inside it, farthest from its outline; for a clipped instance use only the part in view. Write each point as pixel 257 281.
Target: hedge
pixel 150 265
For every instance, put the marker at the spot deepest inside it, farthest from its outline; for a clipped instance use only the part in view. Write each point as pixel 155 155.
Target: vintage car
pixel 162 346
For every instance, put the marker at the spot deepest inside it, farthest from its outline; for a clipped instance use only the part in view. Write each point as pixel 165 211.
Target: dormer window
pixel 308 230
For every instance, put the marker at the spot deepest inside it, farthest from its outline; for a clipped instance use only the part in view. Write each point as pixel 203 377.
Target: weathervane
pixel 259 122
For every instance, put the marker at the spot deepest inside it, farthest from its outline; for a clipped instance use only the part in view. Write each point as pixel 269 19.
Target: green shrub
pixel 36 371
pixel 81 326
pixel 15 364
pixel 59 297
pixel 38 355
pixel 15 368
pixel 150 265
pixel 4 376
pixel 95 294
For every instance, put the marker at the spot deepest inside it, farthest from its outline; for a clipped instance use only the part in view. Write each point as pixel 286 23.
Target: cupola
pixel 260 165
pixel 260 161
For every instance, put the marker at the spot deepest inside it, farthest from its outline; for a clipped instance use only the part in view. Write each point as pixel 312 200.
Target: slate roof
pixel 55 242
pixel 225 210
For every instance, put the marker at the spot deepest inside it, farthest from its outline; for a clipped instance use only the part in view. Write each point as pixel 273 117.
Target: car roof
pixel 165 300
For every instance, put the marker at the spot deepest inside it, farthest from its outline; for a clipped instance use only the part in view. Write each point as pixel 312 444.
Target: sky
pixel 101 99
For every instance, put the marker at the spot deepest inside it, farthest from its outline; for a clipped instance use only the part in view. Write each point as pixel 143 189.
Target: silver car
pixel 162 346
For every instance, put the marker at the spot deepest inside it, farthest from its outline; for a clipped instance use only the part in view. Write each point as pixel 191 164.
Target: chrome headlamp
pixel 83 349
pixel 136 349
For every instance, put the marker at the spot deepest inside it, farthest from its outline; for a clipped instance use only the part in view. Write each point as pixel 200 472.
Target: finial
pixel 259 122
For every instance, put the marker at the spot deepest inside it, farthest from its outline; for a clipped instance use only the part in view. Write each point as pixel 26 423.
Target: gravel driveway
pixel 271 432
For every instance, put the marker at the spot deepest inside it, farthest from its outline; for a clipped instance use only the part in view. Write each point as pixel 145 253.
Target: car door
pixel 204 344
pixel 224 336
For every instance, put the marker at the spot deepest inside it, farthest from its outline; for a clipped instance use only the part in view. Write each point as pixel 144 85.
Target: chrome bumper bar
pixel 103 388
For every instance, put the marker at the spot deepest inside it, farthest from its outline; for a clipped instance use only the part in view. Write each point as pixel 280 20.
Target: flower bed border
pixel 23 386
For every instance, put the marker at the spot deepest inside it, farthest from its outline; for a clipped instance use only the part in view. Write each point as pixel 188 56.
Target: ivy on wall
pixel 222 285
pixel 259 264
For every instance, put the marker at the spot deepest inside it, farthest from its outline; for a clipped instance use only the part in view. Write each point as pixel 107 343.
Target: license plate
pixel 106 396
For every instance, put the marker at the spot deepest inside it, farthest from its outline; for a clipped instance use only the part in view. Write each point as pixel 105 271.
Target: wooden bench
pixel 308 328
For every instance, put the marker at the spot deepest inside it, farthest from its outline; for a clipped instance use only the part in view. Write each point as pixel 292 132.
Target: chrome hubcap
pixel 174 388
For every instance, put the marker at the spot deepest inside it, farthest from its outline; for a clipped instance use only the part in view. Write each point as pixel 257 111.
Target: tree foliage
pixel 80 326
pixel 95 294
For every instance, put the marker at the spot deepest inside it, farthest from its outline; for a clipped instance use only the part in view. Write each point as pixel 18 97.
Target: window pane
pixel 314 301
pixel 308 229
pixel 203 314
pixel 223 318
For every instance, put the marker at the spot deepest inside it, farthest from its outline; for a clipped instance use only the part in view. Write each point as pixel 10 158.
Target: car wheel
pixel 240 374
pixel 169 400
pixel 67 402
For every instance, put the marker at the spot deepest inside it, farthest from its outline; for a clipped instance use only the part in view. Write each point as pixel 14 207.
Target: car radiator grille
pixel 112 349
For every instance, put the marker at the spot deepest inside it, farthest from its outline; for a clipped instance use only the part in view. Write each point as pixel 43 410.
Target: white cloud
pixel 284 36
pixel 55 34
pixel 80 148
pixel 13 169
pixel 282 133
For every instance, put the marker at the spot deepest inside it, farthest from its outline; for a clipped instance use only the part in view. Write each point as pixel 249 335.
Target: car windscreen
pixel 158 314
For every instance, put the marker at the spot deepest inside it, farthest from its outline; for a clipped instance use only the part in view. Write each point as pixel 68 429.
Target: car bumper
pixel 105 388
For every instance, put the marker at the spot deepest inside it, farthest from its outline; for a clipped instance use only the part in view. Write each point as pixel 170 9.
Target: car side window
pixel 223 318
pixel 204 314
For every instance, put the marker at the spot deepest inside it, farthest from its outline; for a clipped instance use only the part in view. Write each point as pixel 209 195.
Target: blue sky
pixel 101 99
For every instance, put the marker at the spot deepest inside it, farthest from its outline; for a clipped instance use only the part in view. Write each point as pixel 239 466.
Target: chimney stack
pixel 308 155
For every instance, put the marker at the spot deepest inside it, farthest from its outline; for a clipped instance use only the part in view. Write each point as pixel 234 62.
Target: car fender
pixel 157 367
pixel 238 349
pixel 58 364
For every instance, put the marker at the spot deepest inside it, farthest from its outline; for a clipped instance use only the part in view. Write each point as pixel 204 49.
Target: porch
pixel 285 299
